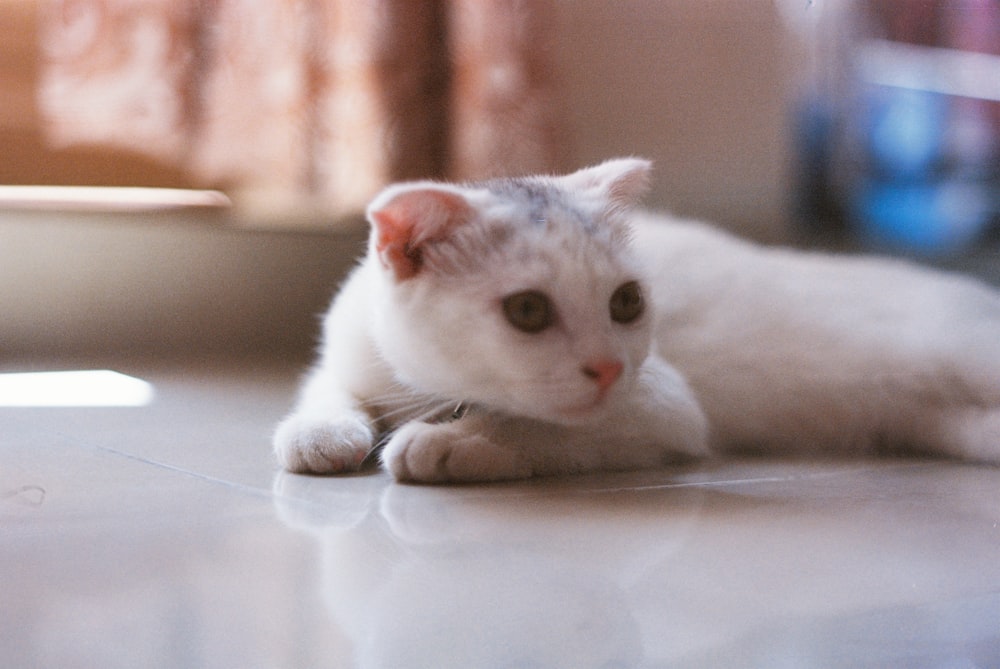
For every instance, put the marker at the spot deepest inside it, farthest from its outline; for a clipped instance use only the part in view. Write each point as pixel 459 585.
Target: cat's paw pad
pixel 424 453
pixel 308 445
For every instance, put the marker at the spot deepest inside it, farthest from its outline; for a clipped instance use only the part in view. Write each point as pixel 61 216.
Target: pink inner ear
pixel 629 187
pixel 412 219
pixel 621 181
pixel 392 242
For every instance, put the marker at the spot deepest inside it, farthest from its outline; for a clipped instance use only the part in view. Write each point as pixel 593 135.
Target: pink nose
pixel 603 372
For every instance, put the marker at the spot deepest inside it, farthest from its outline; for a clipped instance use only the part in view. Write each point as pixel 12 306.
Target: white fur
pixel 793 351
pixel 741 347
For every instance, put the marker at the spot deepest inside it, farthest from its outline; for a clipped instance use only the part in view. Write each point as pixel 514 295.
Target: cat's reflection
pixel 486 576
pixel 778 565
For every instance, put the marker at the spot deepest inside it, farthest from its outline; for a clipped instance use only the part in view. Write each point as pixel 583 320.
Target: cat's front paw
pixel 425 453
pixel 304 444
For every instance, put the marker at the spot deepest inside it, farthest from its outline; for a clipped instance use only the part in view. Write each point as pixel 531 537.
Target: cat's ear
pixel 620 182
pixel 406 216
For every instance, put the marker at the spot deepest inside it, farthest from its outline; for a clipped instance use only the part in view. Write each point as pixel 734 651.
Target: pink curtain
pixel 319 101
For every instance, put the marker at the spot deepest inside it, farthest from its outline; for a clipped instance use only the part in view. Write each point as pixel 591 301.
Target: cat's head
pixel 517 294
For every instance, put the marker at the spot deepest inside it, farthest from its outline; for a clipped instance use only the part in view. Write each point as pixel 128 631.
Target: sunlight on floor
pixel 83 388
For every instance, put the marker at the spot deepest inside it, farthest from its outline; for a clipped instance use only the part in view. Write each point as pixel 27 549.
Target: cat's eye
pixel 529 311
pixel 626 303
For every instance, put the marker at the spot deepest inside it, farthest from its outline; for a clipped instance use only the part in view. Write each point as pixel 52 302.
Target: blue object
pixel 905 130
pixel 929 218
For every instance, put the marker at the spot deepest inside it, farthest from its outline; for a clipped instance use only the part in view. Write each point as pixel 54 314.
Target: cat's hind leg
pixel 966 423
pixel 969 433
pixel 962 423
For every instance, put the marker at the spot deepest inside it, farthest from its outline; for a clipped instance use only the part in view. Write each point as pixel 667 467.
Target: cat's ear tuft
pixel 405 217
pixel 621 182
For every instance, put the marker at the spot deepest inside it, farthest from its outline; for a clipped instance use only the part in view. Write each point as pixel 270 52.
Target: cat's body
pixel 580 335
pixel 808 352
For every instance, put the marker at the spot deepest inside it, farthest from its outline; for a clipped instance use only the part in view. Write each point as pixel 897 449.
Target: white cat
pixel 576 334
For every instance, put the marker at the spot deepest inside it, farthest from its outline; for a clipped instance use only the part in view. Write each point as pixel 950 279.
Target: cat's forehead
pixel 532 228
pixel 533 206
pixel 554 246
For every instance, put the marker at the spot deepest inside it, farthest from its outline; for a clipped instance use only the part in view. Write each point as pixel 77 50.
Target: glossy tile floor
pixel 163 536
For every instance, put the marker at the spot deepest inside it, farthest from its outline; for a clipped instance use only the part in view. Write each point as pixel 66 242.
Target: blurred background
pixel 860 124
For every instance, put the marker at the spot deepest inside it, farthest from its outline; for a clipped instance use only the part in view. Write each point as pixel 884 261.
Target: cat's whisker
pixel 410 407
pixel 433 408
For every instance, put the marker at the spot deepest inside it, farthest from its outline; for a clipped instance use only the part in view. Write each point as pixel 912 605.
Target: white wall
pixel 166 284
pixel 699 86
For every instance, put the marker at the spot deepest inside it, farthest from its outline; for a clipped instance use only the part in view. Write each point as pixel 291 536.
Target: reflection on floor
pixel 163 536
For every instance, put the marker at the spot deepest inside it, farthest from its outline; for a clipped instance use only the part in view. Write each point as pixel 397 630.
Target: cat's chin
pixel 580 414
pixel 570 416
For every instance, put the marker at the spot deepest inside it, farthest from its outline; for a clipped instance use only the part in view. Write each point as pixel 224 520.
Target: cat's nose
pixel 603 372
